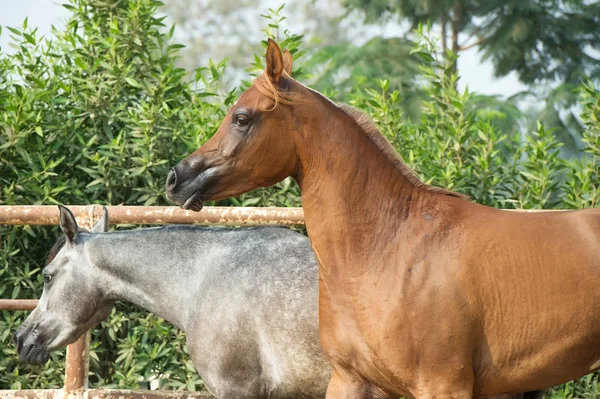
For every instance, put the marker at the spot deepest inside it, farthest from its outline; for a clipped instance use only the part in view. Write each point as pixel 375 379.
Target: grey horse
pixel 247 299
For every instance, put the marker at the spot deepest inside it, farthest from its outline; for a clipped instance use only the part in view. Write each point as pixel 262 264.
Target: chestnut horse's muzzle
pixel 186 190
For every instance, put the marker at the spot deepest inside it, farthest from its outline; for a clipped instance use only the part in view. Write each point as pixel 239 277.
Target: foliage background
pixel 99 111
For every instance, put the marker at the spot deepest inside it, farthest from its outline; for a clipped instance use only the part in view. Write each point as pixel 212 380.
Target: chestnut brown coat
pixel 422 292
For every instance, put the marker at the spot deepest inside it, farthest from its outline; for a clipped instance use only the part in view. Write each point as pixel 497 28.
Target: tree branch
pixel 468 46
pixel 478 29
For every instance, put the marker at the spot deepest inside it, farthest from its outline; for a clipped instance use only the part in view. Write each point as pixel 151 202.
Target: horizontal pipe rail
pixel 221 215
pixel 32 394
pixel 18 304
pixel 121 214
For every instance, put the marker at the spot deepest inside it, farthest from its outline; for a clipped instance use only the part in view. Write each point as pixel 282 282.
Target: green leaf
pixel 132 82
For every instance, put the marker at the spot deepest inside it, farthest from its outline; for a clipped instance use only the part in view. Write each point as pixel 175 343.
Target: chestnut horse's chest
pixel 372 322
pixel 346 343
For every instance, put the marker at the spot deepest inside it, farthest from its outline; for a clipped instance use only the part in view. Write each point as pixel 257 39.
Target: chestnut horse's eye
pixel 47 278
pixel 242 120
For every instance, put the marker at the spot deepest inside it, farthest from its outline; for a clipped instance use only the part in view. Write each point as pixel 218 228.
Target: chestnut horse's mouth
pixel 195 202
pixel 192 190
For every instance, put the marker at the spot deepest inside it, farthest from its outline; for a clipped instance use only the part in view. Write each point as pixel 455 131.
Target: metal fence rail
pixel 77 360
pixel 220 215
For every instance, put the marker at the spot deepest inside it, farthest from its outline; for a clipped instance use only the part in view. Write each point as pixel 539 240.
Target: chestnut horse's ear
pixel 68 225
pixel 274 62
pixel 101 225
pixel 287 62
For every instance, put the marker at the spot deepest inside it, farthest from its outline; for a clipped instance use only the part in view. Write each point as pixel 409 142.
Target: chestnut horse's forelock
pixel 267 88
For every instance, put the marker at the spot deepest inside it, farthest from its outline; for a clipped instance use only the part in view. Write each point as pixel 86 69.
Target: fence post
pixel 77 366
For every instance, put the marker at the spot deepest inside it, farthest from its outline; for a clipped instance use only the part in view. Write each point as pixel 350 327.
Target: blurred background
pixel 98 99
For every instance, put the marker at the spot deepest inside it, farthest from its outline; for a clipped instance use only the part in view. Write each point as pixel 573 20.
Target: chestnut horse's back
pixel 540 271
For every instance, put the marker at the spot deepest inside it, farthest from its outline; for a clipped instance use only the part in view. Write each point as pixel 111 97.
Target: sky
pixel 475 74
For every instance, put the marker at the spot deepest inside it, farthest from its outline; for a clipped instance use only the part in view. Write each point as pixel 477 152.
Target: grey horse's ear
pixel 68 225
pixel 101 225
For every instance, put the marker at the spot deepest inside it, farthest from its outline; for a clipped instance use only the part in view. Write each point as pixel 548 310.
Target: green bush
pixel 96 114
pixel 99 112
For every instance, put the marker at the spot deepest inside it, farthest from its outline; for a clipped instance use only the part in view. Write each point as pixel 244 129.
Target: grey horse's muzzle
pixel 28 343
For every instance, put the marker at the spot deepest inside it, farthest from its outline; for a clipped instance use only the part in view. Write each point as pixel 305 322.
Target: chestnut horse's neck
pixel 351 177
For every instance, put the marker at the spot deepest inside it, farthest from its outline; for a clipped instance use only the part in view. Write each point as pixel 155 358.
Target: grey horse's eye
pixel 47 278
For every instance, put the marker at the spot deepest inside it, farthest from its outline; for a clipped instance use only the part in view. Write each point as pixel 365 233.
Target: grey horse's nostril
pixel 171 179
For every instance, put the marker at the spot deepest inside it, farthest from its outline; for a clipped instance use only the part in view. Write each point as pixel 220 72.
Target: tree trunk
pixel 456 22
pixel 443 22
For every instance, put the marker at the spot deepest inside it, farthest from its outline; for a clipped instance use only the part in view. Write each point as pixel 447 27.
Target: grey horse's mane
pixel 60 242
pixel 55 249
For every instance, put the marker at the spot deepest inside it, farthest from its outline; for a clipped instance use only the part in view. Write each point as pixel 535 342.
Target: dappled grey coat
pixel 247 299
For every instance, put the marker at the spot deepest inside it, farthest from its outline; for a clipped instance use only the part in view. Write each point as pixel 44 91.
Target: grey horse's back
pixel 255 331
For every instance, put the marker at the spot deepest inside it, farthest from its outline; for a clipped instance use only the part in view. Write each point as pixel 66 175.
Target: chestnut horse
pixel 422 292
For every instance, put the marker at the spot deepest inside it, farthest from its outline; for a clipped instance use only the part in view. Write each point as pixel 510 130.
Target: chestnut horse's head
pixel 254 145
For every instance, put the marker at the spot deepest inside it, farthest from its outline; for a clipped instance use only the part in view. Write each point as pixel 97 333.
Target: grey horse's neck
pixel 153 268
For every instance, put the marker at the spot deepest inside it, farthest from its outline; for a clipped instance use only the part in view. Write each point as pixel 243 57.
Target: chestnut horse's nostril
pixel 172 179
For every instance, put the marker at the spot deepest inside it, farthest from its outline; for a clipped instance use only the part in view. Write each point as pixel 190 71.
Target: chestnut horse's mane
pixel 267 88
pixel 371 131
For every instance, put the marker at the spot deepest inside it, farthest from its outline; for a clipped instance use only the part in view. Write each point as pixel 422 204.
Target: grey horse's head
pixel 73 300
